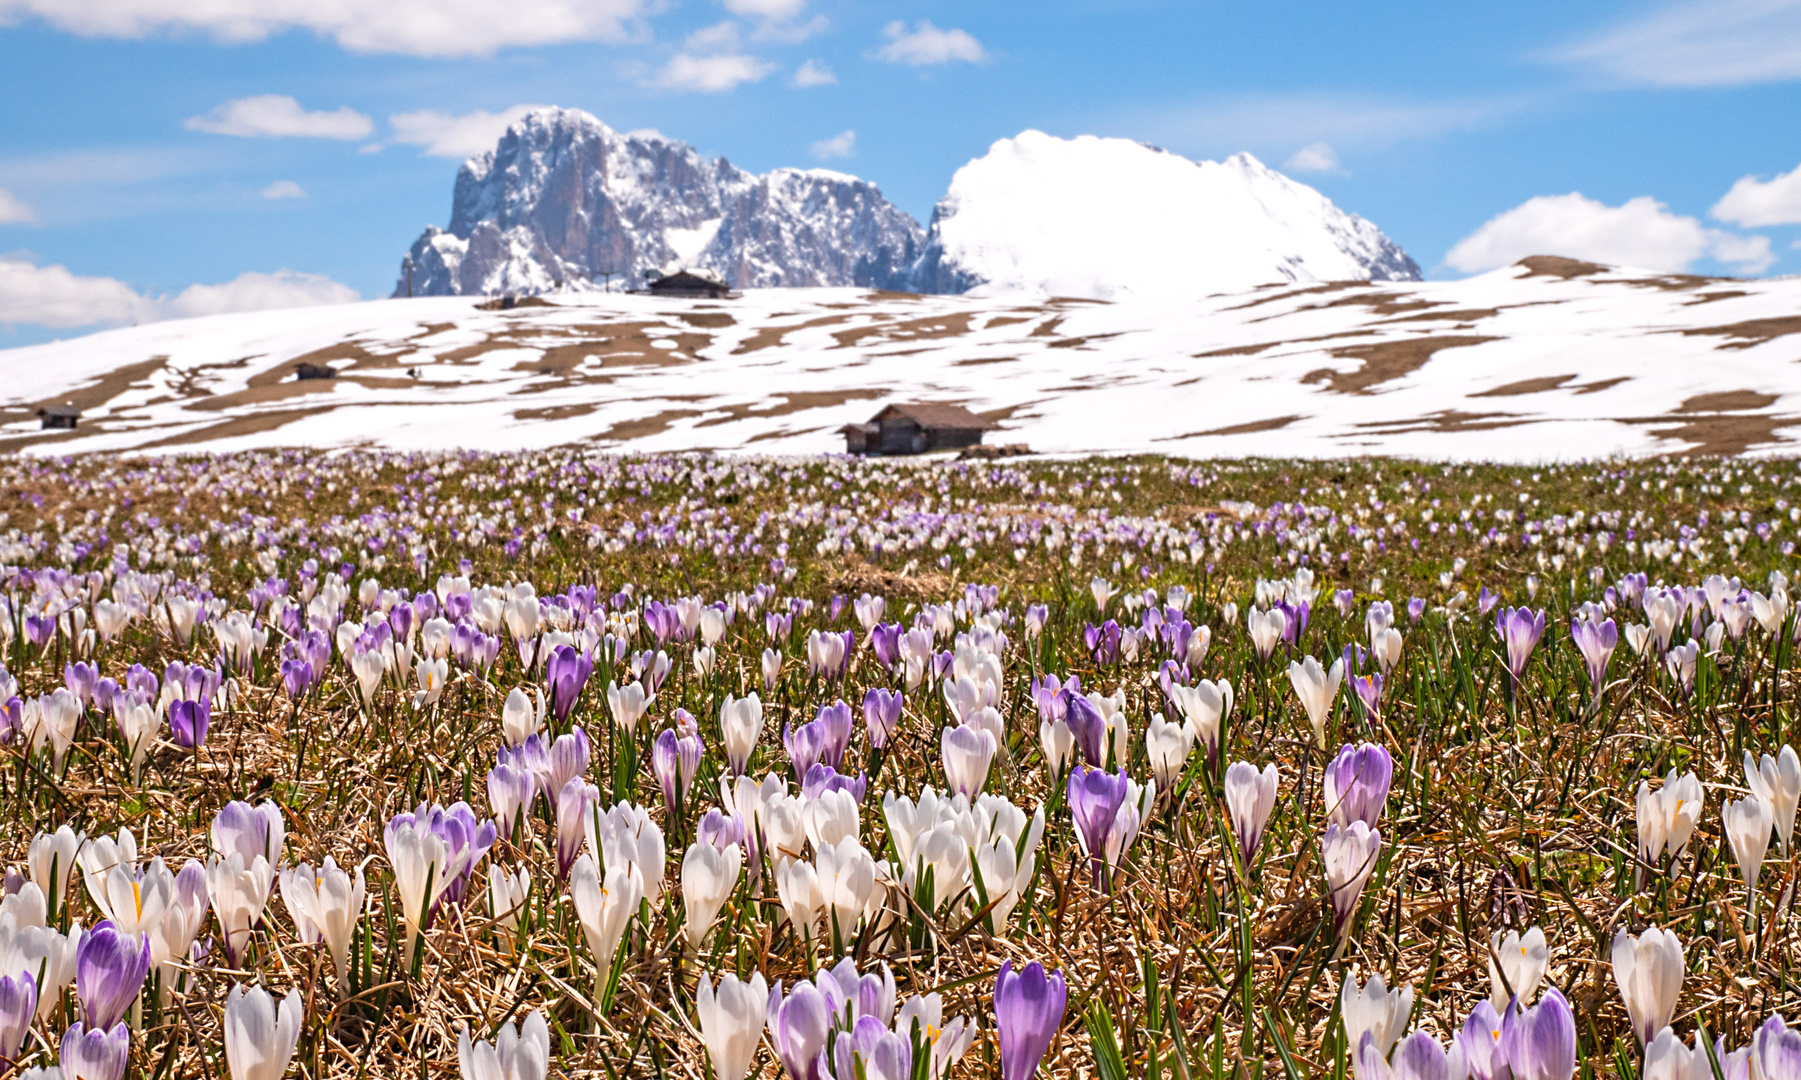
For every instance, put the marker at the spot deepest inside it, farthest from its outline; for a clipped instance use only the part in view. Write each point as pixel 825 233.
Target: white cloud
pixel 926 44
pixel 711 74
pixel 277 116
pixel 415 27
pixel 1754 203
pixel 773 10
pixel 1699 43
pixel 813 73
pixel 1275 123
pixel 445 135
pixel 13 210
pixel 52 296
pixel 1318 157
pixel 1641 233
pixel 843 144
pixel 720 37
pixel 284 189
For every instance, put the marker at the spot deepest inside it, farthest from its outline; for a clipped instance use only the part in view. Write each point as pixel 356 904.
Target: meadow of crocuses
pixel 363 764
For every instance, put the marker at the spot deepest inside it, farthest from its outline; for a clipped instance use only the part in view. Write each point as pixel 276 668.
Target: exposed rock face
pixel 565 201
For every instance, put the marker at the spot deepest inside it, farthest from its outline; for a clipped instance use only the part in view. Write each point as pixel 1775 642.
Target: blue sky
pixel 1461 129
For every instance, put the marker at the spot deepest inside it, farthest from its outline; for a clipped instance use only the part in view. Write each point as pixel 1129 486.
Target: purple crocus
pixel 804 745
pixel 798 1027
pixel 868 1049
pixel 466 839
pixel 1089 727
pixel 1480 1042
pixel 834 722
pixel 1519 629
pixel 1540 1042
pixel 511 789
pixel 675 759
pixel 567 671
pixel 884 639
pixel 1775 1051
pixel 1346 601
pixel 575 801
pixel 1486 601
pixel 18 1004
pixel 1368 689
pixel 1596 642
pixel 1416 607
pixel 1103 642
pixel 1297 620
pixel 188 721
pixel 568 758
pixel 881 715
pixel 1095 797
pixel 81 677
pixel 1357 782
pixel 296 677
pixel 110 966
pixel 1028 1011
pixel 90 1053
pixel 822 778
pixel 39 629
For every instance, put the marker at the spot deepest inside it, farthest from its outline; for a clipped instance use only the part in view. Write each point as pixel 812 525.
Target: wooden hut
pixel 690 284
pixel 915 428
pixel 59 417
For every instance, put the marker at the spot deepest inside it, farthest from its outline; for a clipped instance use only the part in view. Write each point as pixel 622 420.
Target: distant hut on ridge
pixel 915 428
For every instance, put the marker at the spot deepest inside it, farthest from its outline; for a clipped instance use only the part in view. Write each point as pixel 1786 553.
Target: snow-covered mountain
pixel 1105 218
pixel 565 200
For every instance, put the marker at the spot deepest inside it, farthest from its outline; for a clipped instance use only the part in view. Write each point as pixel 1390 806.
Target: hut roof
pixel 933 415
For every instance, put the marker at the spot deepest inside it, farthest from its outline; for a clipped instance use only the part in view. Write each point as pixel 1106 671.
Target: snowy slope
pixel 1107 218
pixel 1550 360
pixel 565 200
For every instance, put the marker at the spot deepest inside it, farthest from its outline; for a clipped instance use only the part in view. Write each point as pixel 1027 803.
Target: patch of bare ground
pixel 769 337
pixel 1448 421
pixel 1330 286
pixel 1722 423
pixel 891 294
pixel 856 576
pixel 1727 401
pixel 1674 282
pixel 430 329
pixel 1005 320
pixel 1526 386
pixel 1048 328
pixel 557 412
pixel 106 387
pixel 983 361
pixel 1385 361
pixel 1750 332
pixel 641 427
pixel 1379 303
pixel 1274 423
pixel 1559 267
pixel 1710 297
pixel 1006 412
pixel 1078 342
pixel 927 329
pixel 792 402
pixel 253 424
pixel 707 320
pixel 1060 300
pixel 344 350
pixel 263 394
pixel 1462 315
pixel 1253 350
pixel 1601 384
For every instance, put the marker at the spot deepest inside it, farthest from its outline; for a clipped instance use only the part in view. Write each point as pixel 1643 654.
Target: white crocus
pixel 708 878
pixel 628 704
pixel 1250 797
pixel 846 881
pixel 507 894
pixel 51 858
pixel 520 718
pixel 521 1053
pixel 731 1022
pixel 1375 1010
pixel 1317 687
pixel 431 676
pixel 421 861
pixel 797 886
pixel 1648 969
pixel 1167 746
pixel 259 1038
pixel 1778 780
pixel 772 669
pixel 239 891
pixel 1266 629
pixel 967 753
pixel 332 901
pixel 740 726
pixel 604 910
pixel 1748 822
pixel 1204 705
pixel 1523 959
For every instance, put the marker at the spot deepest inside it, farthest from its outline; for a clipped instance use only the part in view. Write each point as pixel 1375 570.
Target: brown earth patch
pixel 1710 297
pixel 106 387
pixel 644 426
pixel 1526 386
pixel 1722 434
pixel 792 402
pixel 1600 385
pixel 1005 320
pixel 1750 332
pixel 1078 342
pixel 1559 267
pixel 890 294
pixel 432 328
pixel 1330 286
pixel 1675 282
pixel 343 350
pixel 1047 328
pixel 557 412
pixel 985 360
pixel 1447 420
pixel 858 577
pixel 1238 350
pixel 263 394
pixel 1728 401
pixel 1466 315
pixel 1378 303
pixel 1075 300
pixel 1276 423
pixel 1385 361
pixel 707 320
pixel 928 329
pixel 771 336
pixel 1005 412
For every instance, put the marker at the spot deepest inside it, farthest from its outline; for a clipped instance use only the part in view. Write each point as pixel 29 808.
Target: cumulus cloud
pixel 711 74
pixel 1640 233
pixel 55 297
pixel 841 145
pixel 1754 203
pixel 773 10
pixel 926 44
pixel 454 136
pixel 813 73
pixel 13 210
pixel 277 116
pixel 1318 158
pixel 414 27
pixel 1698 43
pixel 284 189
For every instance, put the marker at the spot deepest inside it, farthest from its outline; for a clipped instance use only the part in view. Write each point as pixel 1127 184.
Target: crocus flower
pixel 259 1038
pixel 1680 662
pixel 1648 970
pixel 1668 816
pixel 18 1005
pixel 1519 630
pixel 1350 857
pixel 1374 1011
pixel 1522 967
pixel 1356 784
pixel 628 704
pixel 1095 797
pixel 799 1025
pixel 1540 1042
pixel 188 722
pixel 1778 781
pixel 1250 796
pixel 574 802
pixel 331 901
pixel 1317 687
pixel 110 967
pixel 967 753
pixel 1480 1042
pixel 566 672
pixel 881 715
pixel 605 910
pixel 239 889
pixel 1775 1051
pixel 1266 629
pixel 708 877
pixel 95 1054
pixel 1748 822
pixel 1028 1011
pixel 1167 746
pixel 740 725
pixel 1368 689
pixel 675 759
pixel 511 791
pixel 1596 642
pixel 521 1053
